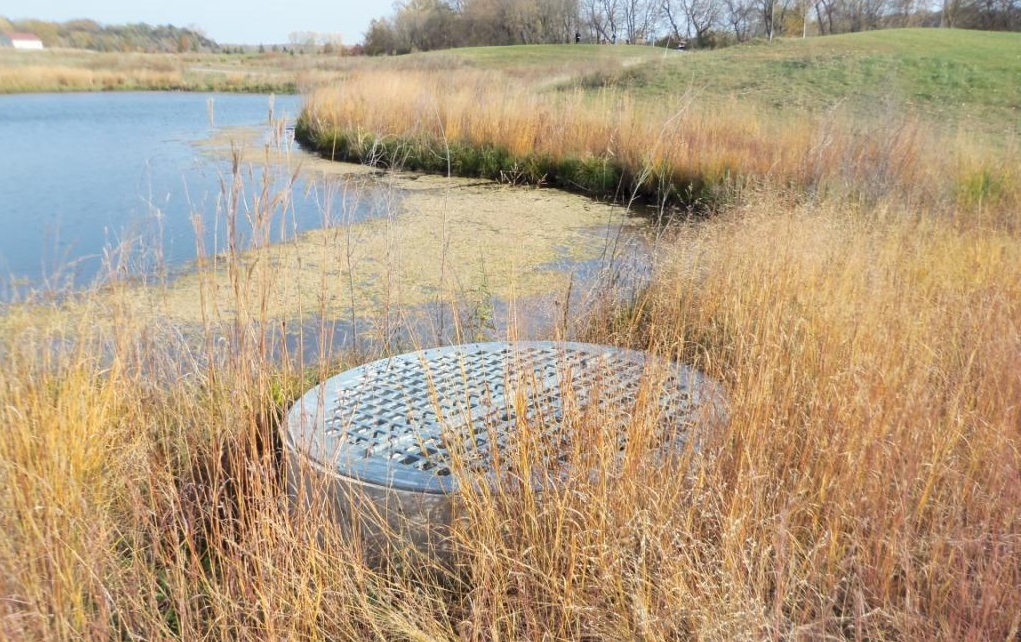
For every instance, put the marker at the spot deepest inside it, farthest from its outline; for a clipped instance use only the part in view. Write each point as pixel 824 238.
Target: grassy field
pixel 855 286
pixel 80 70
pixel 960 75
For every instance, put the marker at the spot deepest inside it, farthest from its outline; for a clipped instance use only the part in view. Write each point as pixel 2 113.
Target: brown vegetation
pixel 859 297
pixel 866 486
pixel 683 149
pixel 77 70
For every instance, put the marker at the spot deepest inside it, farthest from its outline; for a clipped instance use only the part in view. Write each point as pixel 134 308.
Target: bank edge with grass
pixel 601 177
pixel 697 149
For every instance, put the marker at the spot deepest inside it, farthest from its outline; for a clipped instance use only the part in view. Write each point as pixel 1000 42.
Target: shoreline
pixel 435 241
pixel 594 177
pixel 440 240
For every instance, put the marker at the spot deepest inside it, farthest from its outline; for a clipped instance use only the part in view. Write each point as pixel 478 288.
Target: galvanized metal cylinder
pixel 386 446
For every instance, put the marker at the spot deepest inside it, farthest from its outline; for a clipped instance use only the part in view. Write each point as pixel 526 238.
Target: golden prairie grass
pixel 884 351
pixel 865 487
pixel 661 149
pixel 63 78
pixel 36 78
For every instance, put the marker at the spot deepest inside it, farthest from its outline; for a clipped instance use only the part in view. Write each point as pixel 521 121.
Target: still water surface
pixel 81 173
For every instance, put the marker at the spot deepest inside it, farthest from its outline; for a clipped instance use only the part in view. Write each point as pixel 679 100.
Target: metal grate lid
pixel 402 421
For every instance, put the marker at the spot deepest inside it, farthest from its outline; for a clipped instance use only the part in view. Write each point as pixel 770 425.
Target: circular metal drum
pixel 387 445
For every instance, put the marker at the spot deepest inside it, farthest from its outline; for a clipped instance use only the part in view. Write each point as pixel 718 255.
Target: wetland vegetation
pixel 854 281
pixel 61 70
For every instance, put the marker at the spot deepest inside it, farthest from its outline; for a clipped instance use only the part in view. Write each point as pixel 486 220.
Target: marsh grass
pixel 863 117
pixel 680 152
pixel 78 70
pixel 865 487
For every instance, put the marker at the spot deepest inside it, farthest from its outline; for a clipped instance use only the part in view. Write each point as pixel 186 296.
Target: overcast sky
pixel 225 21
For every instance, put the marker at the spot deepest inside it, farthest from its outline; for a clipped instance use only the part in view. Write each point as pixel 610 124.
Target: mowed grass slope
pixel 939 71
pixel 858 294
pixel 947 73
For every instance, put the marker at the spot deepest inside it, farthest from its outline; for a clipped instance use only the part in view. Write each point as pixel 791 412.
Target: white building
pixel 21 40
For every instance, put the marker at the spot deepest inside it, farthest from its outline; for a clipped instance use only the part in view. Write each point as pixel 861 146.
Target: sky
pixel 225 21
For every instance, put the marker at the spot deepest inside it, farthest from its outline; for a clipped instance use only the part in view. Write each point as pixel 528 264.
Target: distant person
pixel 577 37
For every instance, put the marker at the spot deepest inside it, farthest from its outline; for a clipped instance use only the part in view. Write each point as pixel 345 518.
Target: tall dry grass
pixel 866 486
pixel 61 78
pixel 79 70
pixel 683 149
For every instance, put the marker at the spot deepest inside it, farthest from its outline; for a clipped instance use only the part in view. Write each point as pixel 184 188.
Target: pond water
pixel 138 184
pixel 83 173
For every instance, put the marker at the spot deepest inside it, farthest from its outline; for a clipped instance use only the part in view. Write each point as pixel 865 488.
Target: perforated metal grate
pixel 403 421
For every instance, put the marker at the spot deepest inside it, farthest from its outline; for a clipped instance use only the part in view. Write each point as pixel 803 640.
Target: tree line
pixel 88 34
pixel 421 25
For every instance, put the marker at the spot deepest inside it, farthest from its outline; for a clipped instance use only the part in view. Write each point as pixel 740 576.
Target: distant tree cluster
pixel 992 15
pixel 88 34
pixel 317 42
pixel 421 25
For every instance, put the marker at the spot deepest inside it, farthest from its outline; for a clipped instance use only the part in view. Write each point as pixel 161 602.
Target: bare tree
pixel 950 10
pixel 560 19
pixel 739 15
pixel 602 17
pixel 424 25
pixel 674 17
pixel 773 15
pixel 824 16
pixel 486 22
pixel 767 13
pixel 902 13
pixel 640 18
pixel 991 14
pixel 702 15
pixel 434 24
pixel 862 15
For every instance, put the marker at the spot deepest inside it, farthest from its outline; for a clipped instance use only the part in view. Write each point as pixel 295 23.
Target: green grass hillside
pixel 545 57
pixel 962 75
pixel 967 75
pixel 958 74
